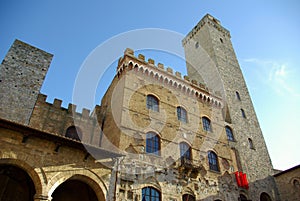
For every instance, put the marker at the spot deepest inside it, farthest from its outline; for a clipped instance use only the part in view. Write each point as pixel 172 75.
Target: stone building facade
pixel 157 135
pixel 288 183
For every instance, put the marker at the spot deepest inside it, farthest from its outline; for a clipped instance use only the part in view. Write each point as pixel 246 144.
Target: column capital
pixel 39 197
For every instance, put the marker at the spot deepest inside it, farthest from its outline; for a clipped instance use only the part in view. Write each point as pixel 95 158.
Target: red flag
pixel 241 180
pixel 238 179
pixel 245 181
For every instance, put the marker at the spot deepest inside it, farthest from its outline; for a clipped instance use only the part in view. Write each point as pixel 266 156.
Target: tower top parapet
pixel 210 20
pixel 22 73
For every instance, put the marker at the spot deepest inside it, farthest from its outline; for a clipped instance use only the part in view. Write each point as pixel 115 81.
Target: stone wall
pixel 288 183
pixel 123 120
pixel 209 50
pixel 128 118
pixel 47 165
pixel 52 118
pixel 22 73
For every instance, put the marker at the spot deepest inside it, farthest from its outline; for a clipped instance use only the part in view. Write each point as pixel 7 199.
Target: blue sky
pixel 265 36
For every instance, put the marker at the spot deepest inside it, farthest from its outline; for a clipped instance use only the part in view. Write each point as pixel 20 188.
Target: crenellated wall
pixel 33 131
pixel 166 76
pixel 127 117
pixel 52 118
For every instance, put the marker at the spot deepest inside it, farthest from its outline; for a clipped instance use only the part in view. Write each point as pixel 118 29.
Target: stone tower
pixel 211 59
pixel 22 73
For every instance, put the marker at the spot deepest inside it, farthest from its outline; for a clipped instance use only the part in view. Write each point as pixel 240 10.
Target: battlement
pixel 56 104
pixel 167 75
pixel 160 66
pixel 210 20
pixel 53 118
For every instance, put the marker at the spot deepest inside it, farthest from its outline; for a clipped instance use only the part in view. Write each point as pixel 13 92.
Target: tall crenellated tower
pixel 211 59
pixel 22 73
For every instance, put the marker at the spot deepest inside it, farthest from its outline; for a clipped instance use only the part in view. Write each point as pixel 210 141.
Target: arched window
pixel 152 103
pixel 229 133
pixel 181 114
pixel 188 197
pixel 206 124
pixel 74 133
pixel 251 146
pixel 238 95
pixel 243 197
pixel 185 151
pixel 265 197
pixel 152 143
pixel 243 113
pixel 296 183
pixel 213 161
pixel 150 194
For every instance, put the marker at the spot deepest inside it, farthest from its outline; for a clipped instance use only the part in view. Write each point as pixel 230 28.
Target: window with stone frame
pixel 150 194
pixel 74 133
pixel 152 103
pixel 250 141
pixel 229 133
pixel 243 113
pixel 213 161
pixel 185 150
pixel 206 124
pixel 237 94
pixel 296 183
pixel 182 114
pixel 153 143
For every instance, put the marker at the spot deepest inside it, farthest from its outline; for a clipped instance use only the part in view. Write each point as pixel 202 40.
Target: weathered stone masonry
pixel 22 74
pixel 106 153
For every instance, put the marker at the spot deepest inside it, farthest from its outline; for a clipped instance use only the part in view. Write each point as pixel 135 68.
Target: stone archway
pixel 78 188
pixel 15 184
pixel 265 197
pixel 188 197
pixel 74 190
pixel 243 197
pixel 26 168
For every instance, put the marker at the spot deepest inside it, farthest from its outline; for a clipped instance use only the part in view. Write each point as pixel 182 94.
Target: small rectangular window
pixel 243 113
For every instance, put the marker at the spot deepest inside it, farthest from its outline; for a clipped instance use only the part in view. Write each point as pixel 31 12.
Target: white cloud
pixel 281 72
pixel 278 94
pixel 278 76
